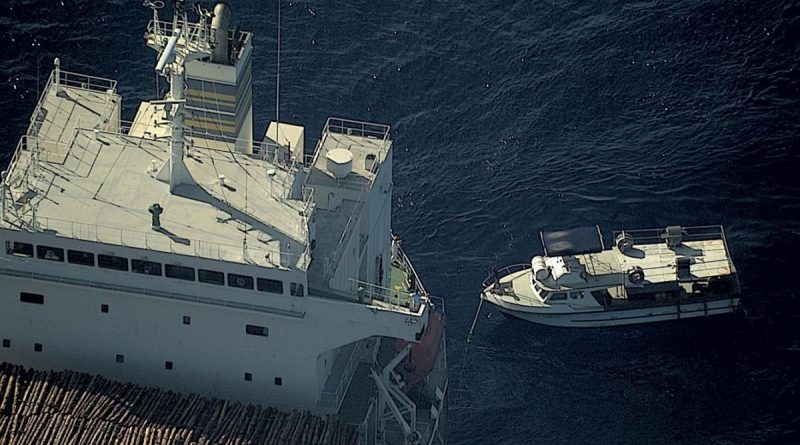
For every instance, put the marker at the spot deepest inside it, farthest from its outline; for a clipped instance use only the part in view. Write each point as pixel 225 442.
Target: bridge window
pixel 26 297
pixel 146 267
pixel 49 253
pixel 257 330
pixel 82 258
pixel 19 249
pixel 240 281
pixel 120 358
pixel 112 262
pixel 248 377
pixel 6 343
pixel 278 381
pixel 179 272
pixel 297 289
pixel 267 285
pixel 558 296
pixel 37 347
pixel 168 365
pixel 104 308
pixel 211 277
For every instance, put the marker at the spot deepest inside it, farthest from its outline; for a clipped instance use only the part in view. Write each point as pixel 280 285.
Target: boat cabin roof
pixel 572 241
pixel 663 264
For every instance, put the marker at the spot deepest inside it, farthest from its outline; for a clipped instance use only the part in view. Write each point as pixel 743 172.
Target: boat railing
pixel 169 244
pixel 655 236
pixel 496 275
pixel 692 233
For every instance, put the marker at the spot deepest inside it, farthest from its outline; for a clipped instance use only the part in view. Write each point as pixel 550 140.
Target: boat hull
pixel 620 317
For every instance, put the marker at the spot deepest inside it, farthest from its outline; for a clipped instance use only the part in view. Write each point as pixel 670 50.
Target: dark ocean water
pixel 514 116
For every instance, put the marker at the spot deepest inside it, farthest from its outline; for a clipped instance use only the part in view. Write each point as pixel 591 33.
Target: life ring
pixel 624 242
pixel 635 274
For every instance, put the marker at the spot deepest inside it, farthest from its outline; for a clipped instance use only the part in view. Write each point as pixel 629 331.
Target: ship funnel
pixel 220 25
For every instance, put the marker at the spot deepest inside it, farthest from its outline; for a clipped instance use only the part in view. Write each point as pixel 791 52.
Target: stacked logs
pixel 38 407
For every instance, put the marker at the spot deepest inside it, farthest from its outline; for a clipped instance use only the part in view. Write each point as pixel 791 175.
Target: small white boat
pixel 647 276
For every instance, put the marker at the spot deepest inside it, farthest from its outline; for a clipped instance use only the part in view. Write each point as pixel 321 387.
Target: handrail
pixel 347 376
pixel 406 261
pixel 505 271
pixel 195 33
pixel 364 427
pixel 150 292
pixel 336 125
pixel 333 260
pixel 691 233
pixel 157 242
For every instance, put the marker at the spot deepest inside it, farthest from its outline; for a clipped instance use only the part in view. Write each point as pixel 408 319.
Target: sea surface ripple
pixel 514 116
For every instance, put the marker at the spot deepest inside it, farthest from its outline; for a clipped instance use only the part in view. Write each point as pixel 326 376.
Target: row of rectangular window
pixel 119 358
pixel 27 297
pixel 155 269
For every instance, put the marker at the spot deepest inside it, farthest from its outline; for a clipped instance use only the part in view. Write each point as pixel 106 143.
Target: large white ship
pixel 175 251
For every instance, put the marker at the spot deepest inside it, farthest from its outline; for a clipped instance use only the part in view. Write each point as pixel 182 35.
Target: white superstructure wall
pixel 222 341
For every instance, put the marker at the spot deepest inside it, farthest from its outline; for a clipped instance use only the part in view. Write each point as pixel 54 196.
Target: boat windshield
pixel 542 293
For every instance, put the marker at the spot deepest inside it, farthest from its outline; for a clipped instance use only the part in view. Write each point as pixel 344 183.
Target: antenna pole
pixel 278 86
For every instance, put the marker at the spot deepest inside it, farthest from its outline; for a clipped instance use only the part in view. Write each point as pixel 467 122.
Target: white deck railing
pixel 332 400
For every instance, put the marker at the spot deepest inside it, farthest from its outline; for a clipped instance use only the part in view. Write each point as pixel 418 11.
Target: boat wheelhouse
pixel 646 276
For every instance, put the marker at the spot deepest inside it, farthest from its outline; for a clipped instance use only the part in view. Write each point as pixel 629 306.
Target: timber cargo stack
pixel 67 407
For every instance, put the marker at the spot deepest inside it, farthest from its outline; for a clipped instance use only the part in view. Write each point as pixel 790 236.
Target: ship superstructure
pixel 175 251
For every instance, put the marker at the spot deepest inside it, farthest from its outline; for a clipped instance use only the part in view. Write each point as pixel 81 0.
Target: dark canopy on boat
pixel 572 241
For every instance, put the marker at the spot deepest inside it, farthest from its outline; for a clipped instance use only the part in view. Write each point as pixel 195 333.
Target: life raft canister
pixel 635 274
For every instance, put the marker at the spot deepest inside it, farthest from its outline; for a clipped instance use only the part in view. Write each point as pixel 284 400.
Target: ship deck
pixel 97 185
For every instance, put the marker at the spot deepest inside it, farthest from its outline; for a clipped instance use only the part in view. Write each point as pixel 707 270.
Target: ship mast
pixel 185 44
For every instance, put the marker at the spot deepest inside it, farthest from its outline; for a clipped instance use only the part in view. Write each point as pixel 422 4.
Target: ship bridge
pixel 82 173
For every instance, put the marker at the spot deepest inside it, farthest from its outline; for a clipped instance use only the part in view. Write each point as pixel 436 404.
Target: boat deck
pixel 609 268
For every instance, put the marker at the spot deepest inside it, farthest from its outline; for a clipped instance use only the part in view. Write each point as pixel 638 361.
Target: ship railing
pixel 199 34
pixel 14 272
pixel 332 261
pixel 405 261
pixel 336 125
pixel 496 275
pixel 332 400
pixel 431 431
pixel 86 82
pixel 367 292
pixel 168 244
pixel 69 79
pixel 37 117
pixel 368 428
pixel 21 146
